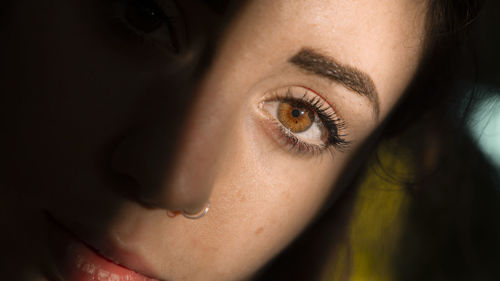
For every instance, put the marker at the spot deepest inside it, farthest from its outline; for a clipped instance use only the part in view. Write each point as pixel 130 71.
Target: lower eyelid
pixel 316 128
pixel 271 127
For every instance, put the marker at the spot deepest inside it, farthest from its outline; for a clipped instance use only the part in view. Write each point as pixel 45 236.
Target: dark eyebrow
pixel 348 76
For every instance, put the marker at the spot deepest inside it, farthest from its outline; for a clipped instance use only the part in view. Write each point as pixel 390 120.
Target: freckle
pixel 194 242
pixel 259 230
pixel 286 195
pixel 241 196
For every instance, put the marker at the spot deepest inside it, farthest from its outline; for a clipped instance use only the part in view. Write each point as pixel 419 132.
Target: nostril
pixel 147 181
pixel 128 186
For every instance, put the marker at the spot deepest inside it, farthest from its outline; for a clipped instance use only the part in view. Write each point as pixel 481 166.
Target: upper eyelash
pixel 333 124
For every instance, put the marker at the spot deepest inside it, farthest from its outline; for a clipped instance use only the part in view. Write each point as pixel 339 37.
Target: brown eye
pixel 144 15
pixel 295 116
pixel 160 24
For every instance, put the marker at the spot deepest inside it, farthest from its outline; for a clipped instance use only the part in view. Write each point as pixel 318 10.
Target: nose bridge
pixel 199 149
pixel 174 161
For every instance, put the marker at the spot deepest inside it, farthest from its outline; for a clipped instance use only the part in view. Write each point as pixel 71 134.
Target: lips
pixel 76 261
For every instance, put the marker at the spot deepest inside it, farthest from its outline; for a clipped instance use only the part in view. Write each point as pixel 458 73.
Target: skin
pixel 106 134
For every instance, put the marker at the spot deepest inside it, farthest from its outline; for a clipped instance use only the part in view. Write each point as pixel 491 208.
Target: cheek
pixel 266 196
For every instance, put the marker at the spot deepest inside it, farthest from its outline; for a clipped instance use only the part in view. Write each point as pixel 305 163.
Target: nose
pixel 173 161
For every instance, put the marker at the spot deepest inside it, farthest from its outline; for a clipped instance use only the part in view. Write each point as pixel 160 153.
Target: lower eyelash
pixel 292 143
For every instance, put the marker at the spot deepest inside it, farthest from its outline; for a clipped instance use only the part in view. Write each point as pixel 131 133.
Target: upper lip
pixel 110 252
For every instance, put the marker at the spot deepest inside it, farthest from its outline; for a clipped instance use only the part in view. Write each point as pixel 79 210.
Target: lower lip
pixel 77 262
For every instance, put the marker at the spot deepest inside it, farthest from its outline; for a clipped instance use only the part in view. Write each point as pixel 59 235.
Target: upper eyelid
pixel 291 93
pixel 323 108
pixel 323 98
pixel 319 95
pixel 328 102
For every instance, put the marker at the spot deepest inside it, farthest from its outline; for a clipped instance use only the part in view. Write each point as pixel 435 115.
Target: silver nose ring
pixel 198 215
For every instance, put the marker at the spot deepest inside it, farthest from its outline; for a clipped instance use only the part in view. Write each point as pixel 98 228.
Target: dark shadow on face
pixel 91 91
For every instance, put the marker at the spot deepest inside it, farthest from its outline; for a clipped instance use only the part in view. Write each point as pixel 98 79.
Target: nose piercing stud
pixel 199 215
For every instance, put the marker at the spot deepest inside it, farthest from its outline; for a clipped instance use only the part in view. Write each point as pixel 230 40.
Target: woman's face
pixel 106 127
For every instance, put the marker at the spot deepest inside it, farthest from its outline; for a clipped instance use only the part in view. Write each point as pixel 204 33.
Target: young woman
pixel 126 156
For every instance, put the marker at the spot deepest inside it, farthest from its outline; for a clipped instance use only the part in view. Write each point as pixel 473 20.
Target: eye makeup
pixel 303 122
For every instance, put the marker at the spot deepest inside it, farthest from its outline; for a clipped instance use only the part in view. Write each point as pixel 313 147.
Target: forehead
pixel 383 38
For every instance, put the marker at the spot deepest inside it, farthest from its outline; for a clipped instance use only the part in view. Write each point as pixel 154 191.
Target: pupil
pixel 295 113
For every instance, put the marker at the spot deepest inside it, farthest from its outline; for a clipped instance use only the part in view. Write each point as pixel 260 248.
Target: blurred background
pixel 485 119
